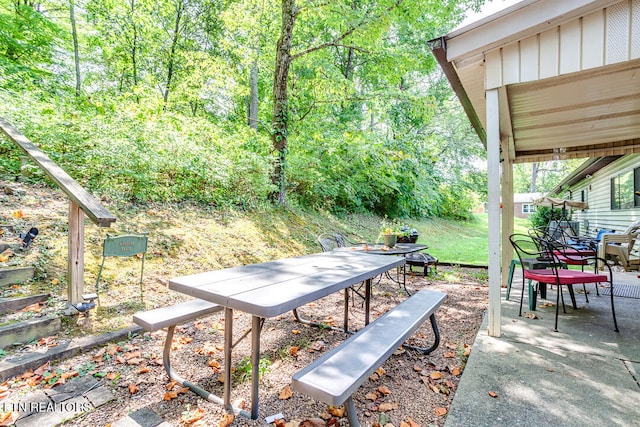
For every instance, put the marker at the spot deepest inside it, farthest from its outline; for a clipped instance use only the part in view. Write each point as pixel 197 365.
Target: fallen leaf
pixel 417 368
pixel 18 214
pixel 132 354
pixel 34 308
pixel 285 393
pixel 185 340
pixel 295 331
pixel 410 423
pixel 441 411
pixel 143 370
pixel 113 349
pixel 455 371
pixel 380 371
pixel 450 354
pixel 226 420
pixel 70 374
pixel 336 412
pixel 387 406
pixel 493 394
pixel 113 376
pixel 192 416
pixel 530 315
pixel 170 395
pixel 294 351
pixel 215 365
pixel 133 389
pixel 384 389
pixel 435 375
pixel 8 418
pixel 171 384
pixel 372 395
pixel 317 346
pixel 313 422
pixel 54 281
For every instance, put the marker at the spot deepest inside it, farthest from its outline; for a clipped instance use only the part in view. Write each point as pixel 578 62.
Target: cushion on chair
pixel 565 277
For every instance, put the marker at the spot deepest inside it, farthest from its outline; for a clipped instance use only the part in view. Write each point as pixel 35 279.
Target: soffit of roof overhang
pixel 589 167
pixel 461 54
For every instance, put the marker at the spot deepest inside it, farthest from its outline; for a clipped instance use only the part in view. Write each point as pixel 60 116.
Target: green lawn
pixel 460 242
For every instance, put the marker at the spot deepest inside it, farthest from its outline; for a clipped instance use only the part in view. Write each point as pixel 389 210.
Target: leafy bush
pixel 543 215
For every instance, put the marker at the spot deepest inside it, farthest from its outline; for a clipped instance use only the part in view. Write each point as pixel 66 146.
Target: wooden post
pixel 493 181
pixel 507 212
pixel 76 254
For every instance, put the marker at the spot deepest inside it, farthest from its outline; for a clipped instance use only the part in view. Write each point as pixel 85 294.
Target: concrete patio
pixel 586 374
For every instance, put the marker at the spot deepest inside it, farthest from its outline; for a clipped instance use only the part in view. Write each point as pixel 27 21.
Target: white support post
pixel 493 179
pixel 507 211
pixel 76 254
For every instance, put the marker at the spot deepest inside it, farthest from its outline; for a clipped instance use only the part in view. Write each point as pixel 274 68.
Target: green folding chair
pixel 122 246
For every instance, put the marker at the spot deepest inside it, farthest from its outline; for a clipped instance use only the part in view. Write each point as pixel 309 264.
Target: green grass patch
pixel 460 242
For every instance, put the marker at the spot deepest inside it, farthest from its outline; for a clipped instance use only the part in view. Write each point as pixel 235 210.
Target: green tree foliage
pixel 370 124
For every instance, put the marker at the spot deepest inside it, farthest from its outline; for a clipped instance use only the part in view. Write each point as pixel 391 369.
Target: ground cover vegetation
pixel 222 103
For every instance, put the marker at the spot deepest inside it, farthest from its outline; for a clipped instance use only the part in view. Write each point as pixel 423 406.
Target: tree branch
pixel 344 35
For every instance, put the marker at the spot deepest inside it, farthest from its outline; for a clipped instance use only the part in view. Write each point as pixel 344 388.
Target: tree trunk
pixel 534 176
pixel 134 48
pixel 280 122
pixel 172 53
pixel 253 97
pixel 76 52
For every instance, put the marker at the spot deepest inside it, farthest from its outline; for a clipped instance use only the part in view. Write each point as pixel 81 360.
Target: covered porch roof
pixel 544 80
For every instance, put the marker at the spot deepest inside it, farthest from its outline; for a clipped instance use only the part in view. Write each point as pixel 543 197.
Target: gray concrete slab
pixel 583 375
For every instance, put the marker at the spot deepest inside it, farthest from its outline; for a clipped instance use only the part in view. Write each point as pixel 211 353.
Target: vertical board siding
pixel 592 37
pixel 530 59
pixel 493 62
pixel 570 47
pixel 511 64
pixel 603 37
pixel 549 54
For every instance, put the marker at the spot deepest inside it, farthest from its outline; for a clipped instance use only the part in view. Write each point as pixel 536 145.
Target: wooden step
pixel 29 330
pixel 8 305
pixel 11 276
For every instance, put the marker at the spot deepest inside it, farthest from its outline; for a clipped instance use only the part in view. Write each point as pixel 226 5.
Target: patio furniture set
pixel 564 261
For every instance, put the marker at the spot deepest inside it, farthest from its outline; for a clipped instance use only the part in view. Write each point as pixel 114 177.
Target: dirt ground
pixel 410 389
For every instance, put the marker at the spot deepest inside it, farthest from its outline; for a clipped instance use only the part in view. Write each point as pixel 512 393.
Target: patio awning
pixel 560 203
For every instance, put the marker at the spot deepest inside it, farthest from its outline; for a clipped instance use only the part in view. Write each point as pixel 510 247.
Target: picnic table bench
pixel 335 376
pixel 169 317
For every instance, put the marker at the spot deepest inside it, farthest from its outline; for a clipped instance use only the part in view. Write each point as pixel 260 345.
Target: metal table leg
pixel 256 328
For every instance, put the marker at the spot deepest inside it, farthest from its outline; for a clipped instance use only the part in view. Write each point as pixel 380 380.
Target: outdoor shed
pixel 544 80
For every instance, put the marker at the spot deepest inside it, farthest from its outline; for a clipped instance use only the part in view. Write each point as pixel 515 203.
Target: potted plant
pixel 390 230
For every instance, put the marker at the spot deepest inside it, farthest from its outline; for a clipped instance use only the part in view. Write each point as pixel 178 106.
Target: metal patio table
pixel 273 288
pixel 401 249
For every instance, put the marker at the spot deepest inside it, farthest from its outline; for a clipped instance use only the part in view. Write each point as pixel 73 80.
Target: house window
pixel 528 208
pixel 623 188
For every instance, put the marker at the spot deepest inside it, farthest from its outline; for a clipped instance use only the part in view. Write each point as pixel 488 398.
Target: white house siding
pixel 598 194
pixel 608 36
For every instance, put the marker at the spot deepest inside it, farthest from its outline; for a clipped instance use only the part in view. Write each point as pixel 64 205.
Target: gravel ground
pixel 411 388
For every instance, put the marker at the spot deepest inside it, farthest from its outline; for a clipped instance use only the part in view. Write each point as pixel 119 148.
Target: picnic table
pixel 272 288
